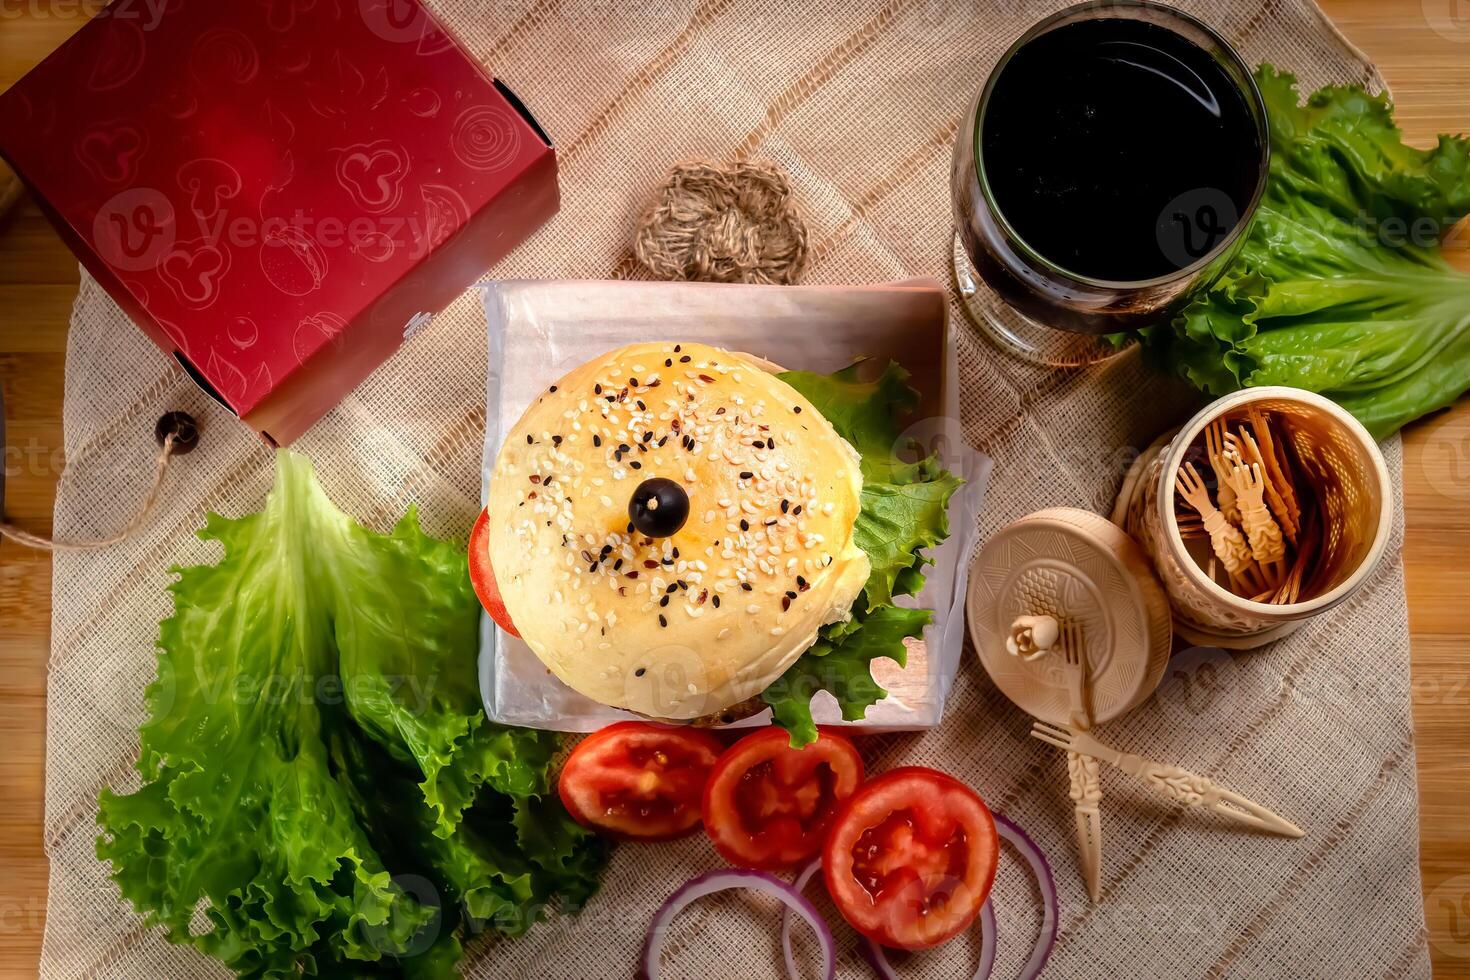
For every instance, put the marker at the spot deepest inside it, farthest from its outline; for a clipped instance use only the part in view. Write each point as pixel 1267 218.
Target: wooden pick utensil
pixel 1175 782
pixel 1279 493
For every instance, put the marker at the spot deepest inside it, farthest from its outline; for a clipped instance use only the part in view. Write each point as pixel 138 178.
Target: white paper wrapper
pixel 540 330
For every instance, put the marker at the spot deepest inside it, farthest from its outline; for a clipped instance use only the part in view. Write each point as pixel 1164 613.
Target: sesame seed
pixel 685 359
pixel 662 621
pixel 553 387
pixel 530 441
pixel 752 609
pixel 747 586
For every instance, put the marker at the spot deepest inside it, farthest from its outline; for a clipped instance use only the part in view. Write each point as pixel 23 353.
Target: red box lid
pixel 278 192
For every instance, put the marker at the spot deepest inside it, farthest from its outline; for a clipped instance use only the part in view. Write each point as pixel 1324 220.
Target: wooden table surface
pixel 1423 51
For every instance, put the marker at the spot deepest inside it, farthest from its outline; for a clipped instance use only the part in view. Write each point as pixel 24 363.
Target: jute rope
pixel 716 223
pixel 176 434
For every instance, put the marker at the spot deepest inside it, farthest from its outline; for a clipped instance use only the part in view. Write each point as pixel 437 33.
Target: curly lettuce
pixel 904 511
pixel 1341 286
pixel 322 794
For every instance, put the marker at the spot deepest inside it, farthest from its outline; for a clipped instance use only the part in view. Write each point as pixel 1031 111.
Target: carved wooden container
pixel 1350 479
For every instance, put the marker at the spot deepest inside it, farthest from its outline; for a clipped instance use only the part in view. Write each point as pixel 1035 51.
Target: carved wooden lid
pixel 1074 566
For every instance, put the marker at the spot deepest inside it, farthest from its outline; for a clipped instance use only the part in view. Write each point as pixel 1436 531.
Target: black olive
pixel 659 508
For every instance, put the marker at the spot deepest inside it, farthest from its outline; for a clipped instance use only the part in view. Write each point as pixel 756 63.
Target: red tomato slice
pixel 482 576
pixel 911 858
pixel 639 781
pixel 768 805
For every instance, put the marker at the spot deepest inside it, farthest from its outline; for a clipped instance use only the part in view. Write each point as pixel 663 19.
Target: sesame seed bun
pixel 685 626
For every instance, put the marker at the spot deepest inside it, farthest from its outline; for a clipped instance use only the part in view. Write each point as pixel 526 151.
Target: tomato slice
pixel 639 781
pixel 482 576
pixel 768 805
pixel 911 858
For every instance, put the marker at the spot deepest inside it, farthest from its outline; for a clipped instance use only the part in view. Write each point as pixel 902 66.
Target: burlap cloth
pixel 859 102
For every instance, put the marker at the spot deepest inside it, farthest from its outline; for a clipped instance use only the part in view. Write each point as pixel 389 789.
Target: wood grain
pixel 1422 53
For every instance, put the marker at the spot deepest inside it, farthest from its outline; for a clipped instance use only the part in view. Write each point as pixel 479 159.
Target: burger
pixel 690 534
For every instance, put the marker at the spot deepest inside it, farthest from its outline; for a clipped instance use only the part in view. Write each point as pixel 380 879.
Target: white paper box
pixel 540 329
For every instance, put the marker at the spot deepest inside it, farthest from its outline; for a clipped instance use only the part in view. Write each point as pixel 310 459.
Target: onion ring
pixel 802 880
pixel 878 959
pixel 1045 942
pixel 719 881
pixel 1041 868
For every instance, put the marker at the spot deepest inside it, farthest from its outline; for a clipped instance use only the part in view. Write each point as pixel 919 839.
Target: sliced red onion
pixel 988 941
pixel 802 880
pixel 878 959
pixel 719 881
pixel 1032 855
pixel 1041 868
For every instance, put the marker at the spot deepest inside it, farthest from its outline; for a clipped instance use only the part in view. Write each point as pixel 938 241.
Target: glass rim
pixel 1250 90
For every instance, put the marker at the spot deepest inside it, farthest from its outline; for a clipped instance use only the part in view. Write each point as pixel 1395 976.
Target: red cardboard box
pixel 278 192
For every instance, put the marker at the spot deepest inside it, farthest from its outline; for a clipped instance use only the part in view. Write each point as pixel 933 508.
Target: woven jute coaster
pixel 712 222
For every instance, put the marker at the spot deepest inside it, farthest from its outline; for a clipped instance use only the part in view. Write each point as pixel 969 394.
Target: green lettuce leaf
pixel 904 511
pixel 322 794
pixel 1341 286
